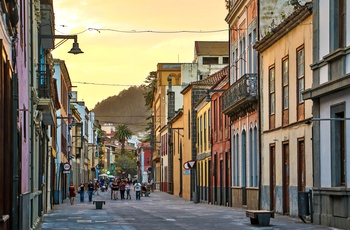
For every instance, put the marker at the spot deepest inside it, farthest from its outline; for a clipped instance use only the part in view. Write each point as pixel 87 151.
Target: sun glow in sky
pixel 117 59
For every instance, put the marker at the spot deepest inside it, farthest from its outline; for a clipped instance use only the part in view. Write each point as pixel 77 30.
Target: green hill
pixel 128 107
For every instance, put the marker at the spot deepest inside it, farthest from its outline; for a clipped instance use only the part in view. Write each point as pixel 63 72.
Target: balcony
pixel 156 156
pixel 241 97
pixel 47 26
pixel 45 99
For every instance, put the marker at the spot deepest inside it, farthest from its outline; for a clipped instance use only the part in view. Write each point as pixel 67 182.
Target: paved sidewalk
pixel 159 211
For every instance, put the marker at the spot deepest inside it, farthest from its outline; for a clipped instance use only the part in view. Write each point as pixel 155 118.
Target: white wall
pixel 325 136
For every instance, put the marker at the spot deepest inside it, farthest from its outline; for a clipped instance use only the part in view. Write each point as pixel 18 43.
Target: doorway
pixel 301 165
pixel 285 177
pixel 272 177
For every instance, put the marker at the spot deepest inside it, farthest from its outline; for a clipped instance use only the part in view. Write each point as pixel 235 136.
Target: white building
pixel 330 93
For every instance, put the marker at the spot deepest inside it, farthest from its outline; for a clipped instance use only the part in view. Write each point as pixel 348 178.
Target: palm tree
pixel 122 133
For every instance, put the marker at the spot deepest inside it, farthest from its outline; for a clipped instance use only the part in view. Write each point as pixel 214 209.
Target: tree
pixel 125 163
pixel 122 133
pixel 151 87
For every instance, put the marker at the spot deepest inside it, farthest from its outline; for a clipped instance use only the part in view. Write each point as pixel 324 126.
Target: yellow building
pixel 286 141
pixel 203 149
pixel 192 94
pixel 165 71
pixel 176 130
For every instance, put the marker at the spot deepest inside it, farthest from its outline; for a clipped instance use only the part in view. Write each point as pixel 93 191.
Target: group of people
pixel 117 186
pixel 122 187
pixel 81 190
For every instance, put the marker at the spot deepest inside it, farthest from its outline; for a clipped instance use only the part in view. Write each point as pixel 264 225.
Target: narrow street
pixel 158 211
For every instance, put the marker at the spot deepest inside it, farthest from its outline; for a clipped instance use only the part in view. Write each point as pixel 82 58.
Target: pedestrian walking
pixel 122 190
pixel 91 188
pixel 110 186
pixel 115 188
pixel 128 189
pixel 81 191
pixel 96 188
pixel 71 193
pixel 137 189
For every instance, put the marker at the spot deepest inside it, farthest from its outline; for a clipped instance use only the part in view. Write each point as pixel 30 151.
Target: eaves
pixel 284 28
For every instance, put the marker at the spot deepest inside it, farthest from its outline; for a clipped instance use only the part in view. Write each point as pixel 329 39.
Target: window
pixel 233 69
pixel 235 163
pixel 337 24
pixel 285 80
pixel 300 73
pixel 220 113
pixel 189 124
pixel 285 91
pixel 236 65
pixel 205 130
pixel 255 158
pixel 242 58
pixel 250 53
pixel 210 60
pixel 272 97
pixel 209 126
pixel 300 83
pixel 255 54
pixel 225 60
pixel 338 145
pixel 201 132
pixel 198 135
pixel 215 120
pixel 272 90
pixel 251 157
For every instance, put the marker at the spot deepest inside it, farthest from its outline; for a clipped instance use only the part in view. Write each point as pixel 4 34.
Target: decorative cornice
pixel 285 27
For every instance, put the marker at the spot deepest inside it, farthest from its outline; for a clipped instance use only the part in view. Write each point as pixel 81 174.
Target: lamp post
pixel 75 49
pixel 46 43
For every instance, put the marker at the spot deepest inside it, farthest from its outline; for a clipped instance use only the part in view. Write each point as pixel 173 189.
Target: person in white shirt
pixel 128 188
pixel 137 188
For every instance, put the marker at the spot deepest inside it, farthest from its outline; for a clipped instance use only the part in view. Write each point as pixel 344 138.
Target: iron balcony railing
pixel 44 81
pixel 243 91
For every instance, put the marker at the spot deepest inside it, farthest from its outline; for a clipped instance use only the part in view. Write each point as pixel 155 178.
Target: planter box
pixel 99 203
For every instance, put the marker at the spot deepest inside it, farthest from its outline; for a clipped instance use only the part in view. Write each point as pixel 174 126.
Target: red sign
pixel 66 167
pixel 189 164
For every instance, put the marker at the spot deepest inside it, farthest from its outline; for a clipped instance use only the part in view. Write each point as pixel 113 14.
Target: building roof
pixel 209 81
pixel 211 48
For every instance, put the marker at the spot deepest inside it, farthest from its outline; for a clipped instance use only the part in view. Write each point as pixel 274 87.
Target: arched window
pixel 244 158
pixel 255 158
pixel 251 158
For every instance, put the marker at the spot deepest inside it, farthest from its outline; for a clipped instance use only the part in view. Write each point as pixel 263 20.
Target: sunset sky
pixel 112 60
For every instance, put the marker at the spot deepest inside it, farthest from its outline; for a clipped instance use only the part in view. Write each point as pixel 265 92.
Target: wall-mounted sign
pixel 189 164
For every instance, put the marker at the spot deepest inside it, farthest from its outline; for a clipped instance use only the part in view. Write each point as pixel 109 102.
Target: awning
pixel 53 151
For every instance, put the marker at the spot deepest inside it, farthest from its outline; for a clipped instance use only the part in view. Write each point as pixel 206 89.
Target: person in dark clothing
pixel 71 193
pixel 115 188
pixel 122 190
pixel 81 191
pixel 91 188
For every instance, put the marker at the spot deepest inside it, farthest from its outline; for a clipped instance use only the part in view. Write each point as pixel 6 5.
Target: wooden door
pixel 301 165
pixel 272 178
pixel 285 168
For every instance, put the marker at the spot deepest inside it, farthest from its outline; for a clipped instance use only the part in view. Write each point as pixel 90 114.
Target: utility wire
pixel 155 31
pixel 105 84
pixel 149 31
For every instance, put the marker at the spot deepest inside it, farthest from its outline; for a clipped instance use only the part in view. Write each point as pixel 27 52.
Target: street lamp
pixel 75 49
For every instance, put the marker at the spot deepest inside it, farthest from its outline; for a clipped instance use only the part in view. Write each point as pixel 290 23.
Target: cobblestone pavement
pixel 158 211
